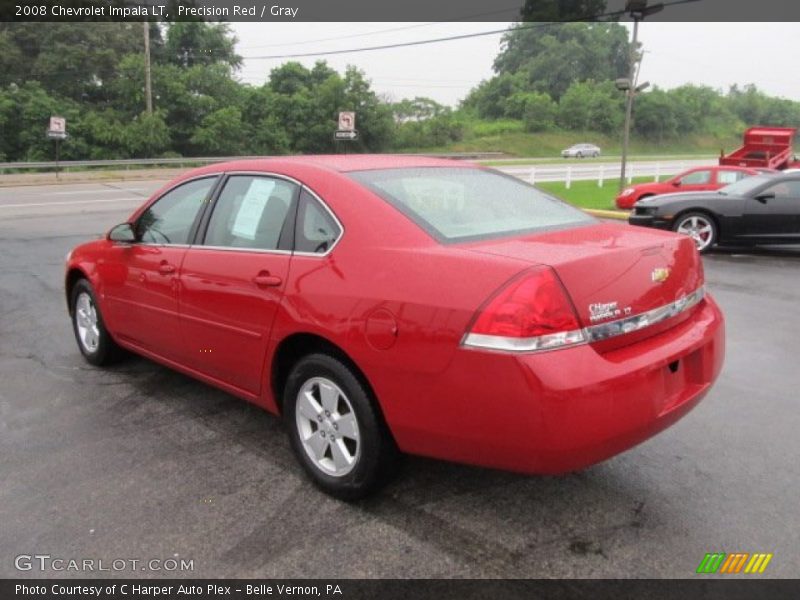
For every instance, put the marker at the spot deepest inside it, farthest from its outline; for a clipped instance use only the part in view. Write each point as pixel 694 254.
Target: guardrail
pixel 65 165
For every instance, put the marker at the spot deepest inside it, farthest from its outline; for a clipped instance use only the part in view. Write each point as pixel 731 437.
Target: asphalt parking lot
pixel 141 462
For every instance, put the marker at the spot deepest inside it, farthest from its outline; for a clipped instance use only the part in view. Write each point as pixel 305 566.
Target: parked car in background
pixel 385 303
pixel 581 151
pixel 763 209
pixel 700 179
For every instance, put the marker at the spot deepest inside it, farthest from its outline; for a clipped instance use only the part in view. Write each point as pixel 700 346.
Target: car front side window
pixel 785 189
pixel 696 178
pixel 170 219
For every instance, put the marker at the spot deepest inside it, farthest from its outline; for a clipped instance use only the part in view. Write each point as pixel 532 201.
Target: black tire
pixel 106 351
pixel 376 454
pixel 700 218
pixel 579 155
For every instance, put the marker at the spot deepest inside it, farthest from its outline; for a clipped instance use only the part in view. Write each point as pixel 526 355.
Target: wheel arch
pixel 297 345
pixel 701 210
pixel 74 274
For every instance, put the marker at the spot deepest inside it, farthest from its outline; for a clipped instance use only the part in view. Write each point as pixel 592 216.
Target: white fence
pixel 601 172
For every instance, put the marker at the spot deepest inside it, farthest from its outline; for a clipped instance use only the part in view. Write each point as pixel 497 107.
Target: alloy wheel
pixel 699 228
pixel 86 322
pixel 327 426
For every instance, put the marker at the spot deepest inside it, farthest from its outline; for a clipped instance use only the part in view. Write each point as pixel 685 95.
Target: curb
pixel 607 214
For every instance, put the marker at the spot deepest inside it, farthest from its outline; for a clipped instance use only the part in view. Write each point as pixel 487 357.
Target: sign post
pixel 347 128
pixel 57 131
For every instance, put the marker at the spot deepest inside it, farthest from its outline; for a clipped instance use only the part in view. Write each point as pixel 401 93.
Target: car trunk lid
pixel 612 271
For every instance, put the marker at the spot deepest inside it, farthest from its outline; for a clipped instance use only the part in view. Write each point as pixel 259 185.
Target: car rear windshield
pixel 460 204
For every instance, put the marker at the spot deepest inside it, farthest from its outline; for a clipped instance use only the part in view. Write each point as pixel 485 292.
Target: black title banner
pixel 398 589
pixel 394 10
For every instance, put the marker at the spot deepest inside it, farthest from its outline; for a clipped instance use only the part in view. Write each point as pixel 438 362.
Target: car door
pixel 234 277
pixel 141 279
pixel 775 212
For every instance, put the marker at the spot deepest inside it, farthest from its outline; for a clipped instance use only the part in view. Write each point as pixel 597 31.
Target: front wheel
pixel 94 341
pixel 335 429
pixel 698 226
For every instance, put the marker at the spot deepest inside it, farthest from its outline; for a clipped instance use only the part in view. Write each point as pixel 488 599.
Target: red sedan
pixel 701 179
pixel 385 304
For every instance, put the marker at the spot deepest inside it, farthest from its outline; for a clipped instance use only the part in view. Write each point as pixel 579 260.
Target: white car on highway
pixel 581 151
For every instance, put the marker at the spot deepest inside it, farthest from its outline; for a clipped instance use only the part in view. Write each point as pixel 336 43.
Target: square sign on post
pixel 58 128
pixel 347 121
pixel 347 127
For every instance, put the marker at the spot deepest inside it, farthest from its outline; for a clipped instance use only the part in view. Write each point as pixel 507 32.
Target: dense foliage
pixel 548 78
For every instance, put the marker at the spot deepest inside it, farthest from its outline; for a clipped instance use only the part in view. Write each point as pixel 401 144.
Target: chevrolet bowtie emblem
pixel 660 275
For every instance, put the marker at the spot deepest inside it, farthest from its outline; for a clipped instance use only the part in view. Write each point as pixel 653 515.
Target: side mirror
pixel 677 183
pixel 122 233
pixel 765 196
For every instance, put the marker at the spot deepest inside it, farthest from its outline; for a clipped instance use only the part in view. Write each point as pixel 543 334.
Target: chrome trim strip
pixel 603 331
pixel 595 333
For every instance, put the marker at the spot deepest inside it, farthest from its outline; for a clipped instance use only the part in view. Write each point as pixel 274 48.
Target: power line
pixel 514 9
pixel 602 16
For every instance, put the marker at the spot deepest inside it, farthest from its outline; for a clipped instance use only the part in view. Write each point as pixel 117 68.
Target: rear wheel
pixel 698 226
pixel 335 429
pixel 94 341
pixel 579 155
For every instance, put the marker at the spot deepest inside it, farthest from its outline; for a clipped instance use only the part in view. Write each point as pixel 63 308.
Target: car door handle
pixel 264 279
pixel 165 268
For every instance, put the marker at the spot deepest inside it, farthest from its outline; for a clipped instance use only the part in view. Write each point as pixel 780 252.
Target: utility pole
pixel 148 91
pixel 638 10
pixel 629 103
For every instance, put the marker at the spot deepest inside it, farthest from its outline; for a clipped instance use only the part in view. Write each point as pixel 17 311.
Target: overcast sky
pixel 715 54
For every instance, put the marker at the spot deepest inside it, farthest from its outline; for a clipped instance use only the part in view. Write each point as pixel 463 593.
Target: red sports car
pixel 385 304
pixel 701 179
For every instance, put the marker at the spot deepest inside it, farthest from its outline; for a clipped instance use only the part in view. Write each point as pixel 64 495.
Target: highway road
pixel 140 462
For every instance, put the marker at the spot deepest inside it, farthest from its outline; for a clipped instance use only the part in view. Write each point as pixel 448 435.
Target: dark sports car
pixel 764 209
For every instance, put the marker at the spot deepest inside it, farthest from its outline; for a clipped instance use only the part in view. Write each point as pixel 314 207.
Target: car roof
pixel 342 163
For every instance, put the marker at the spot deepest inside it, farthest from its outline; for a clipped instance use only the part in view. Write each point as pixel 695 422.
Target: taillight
pixel 532 312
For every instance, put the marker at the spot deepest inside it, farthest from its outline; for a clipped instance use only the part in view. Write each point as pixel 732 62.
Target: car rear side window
pixel 728 177
pixel 251 212
pixel 459 204
pixel 317 231
pixel 169 220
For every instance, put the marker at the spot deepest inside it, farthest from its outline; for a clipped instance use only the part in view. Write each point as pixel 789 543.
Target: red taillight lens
pixel 532 312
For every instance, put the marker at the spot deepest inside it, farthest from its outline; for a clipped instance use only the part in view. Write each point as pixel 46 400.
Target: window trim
pixel 314 199
pixel 291 222
pixel 198 218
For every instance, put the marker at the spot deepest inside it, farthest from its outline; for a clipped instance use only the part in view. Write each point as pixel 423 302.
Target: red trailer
pixel 764 147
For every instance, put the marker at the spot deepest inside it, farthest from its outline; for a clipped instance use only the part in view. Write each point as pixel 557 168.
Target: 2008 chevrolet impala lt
pixel 387 304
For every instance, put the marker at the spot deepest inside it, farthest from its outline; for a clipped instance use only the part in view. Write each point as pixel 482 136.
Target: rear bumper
pixel 558 411
pixel 653 221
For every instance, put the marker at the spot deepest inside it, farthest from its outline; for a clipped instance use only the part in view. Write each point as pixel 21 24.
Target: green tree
pixel 197 43
pixel 592 106
pixel 555 55
pixel 536 109
pixel 221 133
